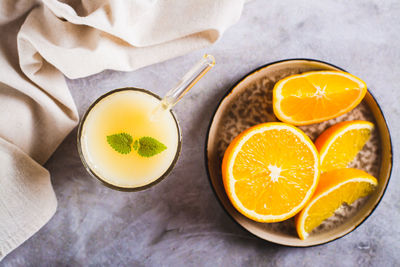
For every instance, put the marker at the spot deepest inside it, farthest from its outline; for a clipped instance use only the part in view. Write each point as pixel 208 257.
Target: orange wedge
pixel 339 144
pixel 334 188
pixel 270 171
pixel 316 96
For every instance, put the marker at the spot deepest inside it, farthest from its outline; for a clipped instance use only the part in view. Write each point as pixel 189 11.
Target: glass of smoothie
pixel 129 138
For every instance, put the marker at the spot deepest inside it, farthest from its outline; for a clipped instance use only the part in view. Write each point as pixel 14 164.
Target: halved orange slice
pixel 334 188
pixel 339 144
pixel 270 171
pixel 316 96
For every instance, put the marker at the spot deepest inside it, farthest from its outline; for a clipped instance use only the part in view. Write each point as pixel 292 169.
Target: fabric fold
pixel 148 23
pixel 27 199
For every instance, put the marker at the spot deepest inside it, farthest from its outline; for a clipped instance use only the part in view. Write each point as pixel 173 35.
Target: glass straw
pixel 188 81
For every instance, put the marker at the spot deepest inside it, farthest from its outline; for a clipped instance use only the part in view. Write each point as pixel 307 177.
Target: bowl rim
pixel 103 181
pixel 206 159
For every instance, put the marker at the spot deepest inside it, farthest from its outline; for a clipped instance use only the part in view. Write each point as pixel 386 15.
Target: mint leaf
pixel 148 146
pixel 120 142
pixel 145 146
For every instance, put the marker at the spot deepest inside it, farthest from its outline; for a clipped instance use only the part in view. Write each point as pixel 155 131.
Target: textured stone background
pixel 179 221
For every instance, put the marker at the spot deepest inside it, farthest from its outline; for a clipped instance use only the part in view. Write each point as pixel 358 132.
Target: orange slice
pixel 270 171
pixel 334 188
pixel 316 96
pixel 339 144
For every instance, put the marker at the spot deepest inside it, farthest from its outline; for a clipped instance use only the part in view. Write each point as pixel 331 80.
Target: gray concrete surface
pixel 179 222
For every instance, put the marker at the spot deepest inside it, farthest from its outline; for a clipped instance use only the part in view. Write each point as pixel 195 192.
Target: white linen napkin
pixel 42 40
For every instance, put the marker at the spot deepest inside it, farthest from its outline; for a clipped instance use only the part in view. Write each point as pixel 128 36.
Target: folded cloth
pixel 42 40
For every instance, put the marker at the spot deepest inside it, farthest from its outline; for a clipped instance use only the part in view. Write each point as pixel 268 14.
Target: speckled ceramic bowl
pixel 248 103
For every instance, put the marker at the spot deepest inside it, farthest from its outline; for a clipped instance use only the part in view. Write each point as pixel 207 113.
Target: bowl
pixel 249 102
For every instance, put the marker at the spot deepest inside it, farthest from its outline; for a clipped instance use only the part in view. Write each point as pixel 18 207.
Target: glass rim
pixel 97 177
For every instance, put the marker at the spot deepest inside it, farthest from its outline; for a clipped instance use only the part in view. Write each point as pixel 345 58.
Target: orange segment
pixel 316 96
pixel 270 171
pixel 339 144
pixel 334 188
